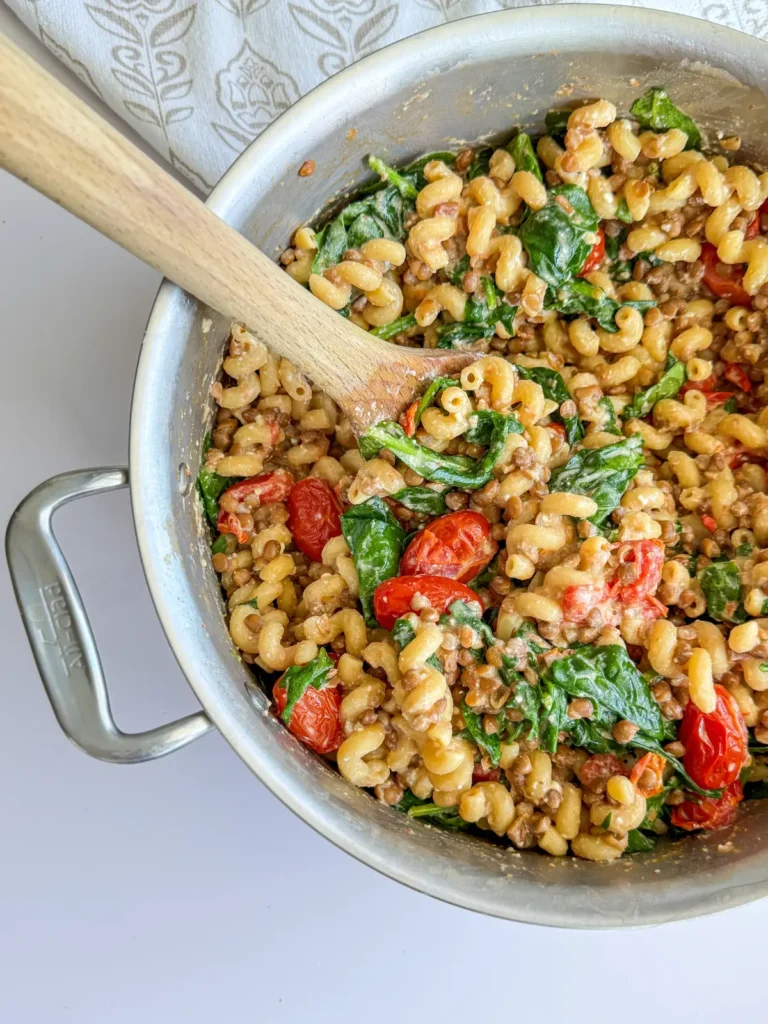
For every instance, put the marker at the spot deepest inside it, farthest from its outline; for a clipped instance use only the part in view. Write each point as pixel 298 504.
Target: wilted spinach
pixel 461 614
pixel 556 241
pixel 455 470
pixel 422 499
pixel 524 155
pixel 639 842
pixel 299 677
pixel 485 421
pixel 579 297
pixel 489 742
pixel 433 390
pixel 210 485
pixel 376 541
pixel 481 163
pixel 553 386
pixel 656 110
pixel 721 583
pixel 556 123
pixel 610 423
pixel 403 632
pixel 403 323
pixel 667 386
pixel 219 546
pixel 602 473
pixel 480 318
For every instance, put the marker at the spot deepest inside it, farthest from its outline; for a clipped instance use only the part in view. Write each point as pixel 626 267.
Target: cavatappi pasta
pixel 536 605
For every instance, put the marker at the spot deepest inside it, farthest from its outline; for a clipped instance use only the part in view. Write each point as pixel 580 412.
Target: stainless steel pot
pixel 470 79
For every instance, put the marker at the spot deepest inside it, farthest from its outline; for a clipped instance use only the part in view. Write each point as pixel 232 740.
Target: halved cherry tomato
pixel 596 256
pixel 648 775
pixel 753 228
pixel 724 287
pixel 710 522
pixel 315 717
pixel 228 522
pixel 480 774
pixel 263 489
pixel 737 375
pixel 313 516
pixel 580 599
pixel 707 813
pixel 408 419
pixel 718 397
pixel 708 384
pixel 651 607
pixel 392 598
pixel 457 545
pixel 599 768
pixel 648 558
pixel 715 744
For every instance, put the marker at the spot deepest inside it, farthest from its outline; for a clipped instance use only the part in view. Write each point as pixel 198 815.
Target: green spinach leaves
pixel 556 240
pixel 210 486
pixel 376 541
pixel 299 677
pixel 721 583
pixel 656 110
pixel 553 386
pixel 524 155
pixel 667 386
pixel 602 473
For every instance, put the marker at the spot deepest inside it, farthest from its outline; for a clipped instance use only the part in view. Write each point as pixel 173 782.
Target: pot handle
pixel 59 632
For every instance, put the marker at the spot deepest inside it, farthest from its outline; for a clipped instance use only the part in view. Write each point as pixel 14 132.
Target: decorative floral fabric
pixel 200 79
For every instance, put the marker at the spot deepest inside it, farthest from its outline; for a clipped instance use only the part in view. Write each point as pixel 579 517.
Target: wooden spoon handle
pixel 57 144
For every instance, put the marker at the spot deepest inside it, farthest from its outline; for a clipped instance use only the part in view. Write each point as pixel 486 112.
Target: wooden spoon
pixel 57 144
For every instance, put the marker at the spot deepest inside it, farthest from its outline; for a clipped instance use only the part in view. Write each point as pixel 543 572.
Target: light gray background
pixel 182 890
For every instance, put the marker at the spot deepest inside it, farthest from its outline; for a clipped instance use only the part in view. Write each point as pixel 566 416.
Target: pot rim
pixel 565 22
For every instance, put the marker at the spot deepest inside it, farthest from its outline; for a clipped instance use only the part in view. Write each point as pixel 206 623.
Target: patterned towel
pixel 200 79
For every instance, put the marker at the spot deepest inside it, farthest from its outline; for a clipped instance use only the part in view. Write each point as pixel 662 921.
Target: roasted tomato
pixel 408 419
pixel 598 769
pixel 729 287
pixel 313 516
pixel 315 718
pixel 753 228
pixel 228 522
pixel 392 598
pixel 710 522
pixel 737 375
pixel 457 545
pixel 480 774
pixel 715 744
pixel 707 813
pixel 647 559
pixel 263 489
pixel 648 775
pixel 595 258
pixel 580 599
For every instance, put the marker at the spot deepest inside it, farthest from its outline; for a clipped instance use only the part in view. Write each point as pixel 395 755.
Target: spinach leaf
pixel 405 187
pixel 647 743
pixel 489 742
pixel 526 699
pixel 485 421
pixel 556 123
pixel 555 240
pixel 210 485
pixel 730 405
pixel 721 583
pixel 602 473
pixel 610 423
pixel 553 386
pixel 331 245
pixel 481 163
pixel 403 323
pixel 622 212
pixel 578 296
pixel 554 702
pixel 667 386
pixel 455 470
pixel 613 244
pixel 299 677
pixel 422 499
pixel 414 172
pixel 743 550
pixel 446 817
pixel 524 155
pixel 456 276
pixel 461 614
pixel 480 318
pixel 409 800
pixel 403 632
pixel 376 541
pixel 657 111
pixel 638 842
pixel 435 387
pixel 219 546
pixel 608 677
pixel 460 335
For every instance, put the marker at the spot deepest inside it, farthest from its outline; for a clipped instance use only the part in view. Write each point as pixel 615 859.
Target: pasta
pixel 518 610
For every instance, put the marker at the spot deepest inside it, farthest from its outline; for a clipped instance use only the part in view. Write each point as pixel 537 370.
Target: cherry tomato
pixel 580 599
pixel 263 489
pixel 648 558
pixel 457 545
pixel 718 397
pixel 595 258
pixel 708 384
pixel 228 522
pixel 650 607
pixel 724 287
pixel 707 813
pixel 315 717
pixel 599 768
pixel 715 744
pixel 480 774
pixel 408 419
pixel 710 522
pixel 648 775
pixel 392 598
pixel 737 375
pixel 753 228
pixel 313 516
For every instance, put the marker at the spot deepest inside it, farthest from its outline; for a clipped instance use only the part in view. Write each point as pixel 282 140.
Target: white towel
pixel 199 79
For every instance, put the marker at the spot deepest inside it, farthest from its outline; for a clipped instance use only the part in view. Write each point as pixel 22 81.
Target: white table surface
pixel 182 890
